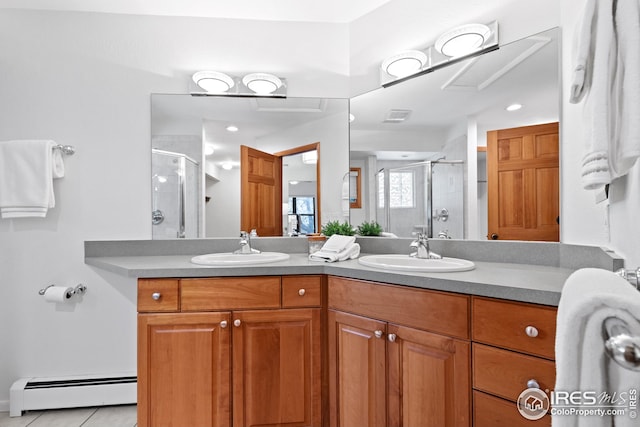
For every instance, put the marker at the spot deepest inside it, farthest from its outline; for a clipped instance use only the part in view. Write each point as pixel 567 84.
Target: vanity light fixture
pixel 232 128
pixel 213 81
pixel 404 63
pixel 462 40
pixel 513 107
pixel 262 83
pixel 310 157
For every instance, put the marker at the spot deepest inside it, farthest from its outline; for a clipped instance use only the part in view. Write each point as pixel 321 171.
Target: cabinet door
pixel 357 373
pixel 428 379
pixel 184 370
pixel 276 368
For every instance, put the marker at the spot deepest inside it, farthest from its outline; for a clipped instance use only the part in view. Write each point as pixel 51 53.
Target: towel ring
pixel 619 345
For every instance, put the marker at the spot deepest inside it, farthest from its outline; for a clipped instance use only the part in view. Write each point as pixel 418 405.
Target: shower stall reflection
pixel 175 189
pixel 420 196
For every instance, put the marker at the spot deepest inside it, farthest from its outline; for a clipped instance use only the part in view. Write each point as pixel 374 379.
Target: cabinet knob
pixel 532 383
pixel 378 334
pixel 392 337
pixel 156 295
pixel 531 331
pixel 301 292
pixel 237 323
pixel 223 324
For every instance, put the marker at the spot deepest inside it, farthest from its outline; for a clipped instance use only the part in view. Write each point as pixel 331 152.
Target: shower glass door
pixel 175 184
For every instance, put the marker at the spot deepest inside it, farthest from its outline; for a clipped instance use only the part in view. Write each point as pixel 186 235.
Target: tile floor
pixel 104 416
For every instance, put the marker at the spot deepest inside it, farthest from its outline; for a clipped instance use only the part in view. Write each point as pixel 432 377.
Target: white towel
pixel 27 170
pixel 590 296
pixel 606 79
pixel 350 252
pixel 338 243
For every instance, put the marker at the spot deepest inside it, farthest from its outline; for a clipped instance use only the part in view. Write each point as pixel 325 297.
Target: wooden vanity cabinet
pixel 513 349
pixel 230 354
pixel 397 356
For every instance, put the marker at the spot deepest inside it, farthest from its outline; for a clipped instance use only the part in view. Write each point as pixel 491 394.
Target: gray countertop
pixel 518 282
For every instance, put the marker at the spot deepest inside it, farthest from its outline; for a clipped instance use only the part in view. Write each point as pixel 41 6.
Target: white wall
pixel 85 79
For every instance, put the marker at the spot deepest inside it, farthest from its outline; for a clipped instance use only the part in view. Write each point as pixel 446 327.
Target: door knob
pixel 237 323
pixel 301 292
pixel 223 324
pixel 156 295
pixel 392 337
pixel 378 334
pixel 531 331
pixel 494 236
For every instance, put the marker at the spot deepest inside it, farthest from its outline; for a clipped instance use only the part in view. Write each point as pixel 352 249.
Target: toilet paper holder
pixel 78 290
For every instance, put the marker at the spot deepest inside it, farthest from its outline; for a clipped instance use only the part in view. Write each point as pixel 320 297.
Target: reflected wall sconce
pixel 216 83
pixel 452 46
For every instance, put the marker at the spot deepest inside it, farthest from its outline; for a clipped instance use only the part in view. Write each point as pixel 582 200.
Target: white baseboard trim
pixel 4 406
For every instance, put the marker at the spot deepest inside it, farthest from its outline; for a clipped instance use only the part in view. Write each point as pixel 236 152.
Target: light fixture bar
pixel 215 83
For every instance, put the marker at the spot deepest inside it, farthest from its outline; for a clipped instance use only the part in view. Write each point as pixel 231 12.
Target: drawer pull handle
pixel 532 383
pixel 392 337
pixel 223 324
pixel 301 292
pixel 531 331
pixel 237 323
pixel 378 334
pixel 156 295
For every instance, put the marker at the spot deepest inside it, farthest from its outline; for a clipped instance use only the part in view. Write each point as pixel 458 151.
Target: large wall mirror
pixel 431 147
pixel 196 162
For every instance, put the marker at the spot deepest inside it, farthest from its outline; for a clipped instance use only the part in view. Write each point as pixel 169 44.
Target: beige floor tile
pixel 63 417
pixel 113 416
pixel 23 421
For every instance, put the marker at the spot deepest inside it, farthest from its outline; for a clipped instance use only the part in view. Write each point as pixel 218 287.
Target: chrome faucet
pixel 422 248
pixel 245 244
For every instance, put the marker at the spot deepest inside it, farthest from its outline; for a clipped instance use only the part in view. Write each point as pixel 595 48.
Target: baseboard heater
pixel 70 392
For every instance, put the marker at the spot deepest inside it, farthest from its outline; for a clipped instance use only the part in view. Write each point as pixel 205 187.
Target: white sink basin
pixel 231 259
pixel 407 263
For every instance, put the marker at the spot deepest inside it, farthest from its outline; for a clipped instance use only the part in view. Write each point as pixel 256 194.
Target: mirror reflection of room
pixel 209 130
pixel 403 137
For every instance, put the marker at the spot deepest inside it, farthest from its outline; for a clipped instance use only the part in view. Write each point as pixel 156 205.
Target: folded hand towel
pixel 27 170
pixel 338 243
pixel 589 297
pixel 351 252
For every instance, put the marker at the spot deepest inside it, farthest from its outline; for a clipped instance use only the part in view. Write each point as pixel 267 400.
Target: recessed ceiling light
pixel 262 83
pixel 213 81
pixel 227 166
pixel 404 63
pixel 462 40
pixel 232 128
pixel 514 107
pixel 208 149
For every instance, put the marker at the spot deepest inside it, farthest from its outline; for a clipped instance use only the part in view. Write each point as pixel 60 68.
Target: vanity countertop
pixel 518 282
pixel 519 271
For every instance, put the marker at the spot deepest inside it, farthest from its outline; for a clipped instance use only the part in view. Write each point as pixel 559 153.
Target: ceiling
pixel 335 11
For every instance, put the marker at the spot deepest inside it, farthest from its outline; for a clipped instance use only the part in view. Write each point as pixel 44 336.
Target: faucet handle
pixel 244 234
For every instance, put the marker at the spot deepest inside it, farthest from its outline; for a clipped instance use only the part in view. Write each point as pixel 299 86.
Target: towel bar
pixel 632 276
pixel 66 149
pixel 623 348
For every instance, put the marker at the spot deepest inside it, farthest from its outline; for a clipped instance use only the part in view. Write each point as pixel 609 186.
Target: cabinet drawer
pixel 300 291
pixel 440 312
pixel 489 411
pixel 505 373
pixel 505 324
pixel 229 293
pixel 158 295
